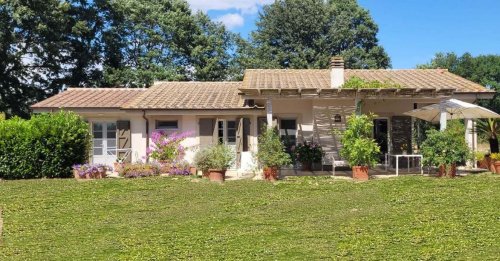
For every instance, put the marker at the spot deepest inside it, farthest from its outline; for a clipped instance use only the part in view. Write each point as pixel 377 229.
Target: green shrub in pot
pixel 358 147
pixel 271 154
pixel 215 160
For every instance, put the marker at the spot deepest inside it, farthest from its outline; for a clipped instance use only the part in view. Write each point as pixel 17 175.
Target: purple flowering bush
pixel 308 152
pixel 91 170
pixel 167 148
pixel 181 168
pixel 140 170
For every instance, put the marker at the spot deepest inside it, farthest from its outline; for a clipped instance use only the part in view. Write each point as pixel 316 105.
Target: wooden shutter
pixel 215 132
pixel 239 141
pixel 124 139
pixel 206 132
pixel 91 149
pixel 401 134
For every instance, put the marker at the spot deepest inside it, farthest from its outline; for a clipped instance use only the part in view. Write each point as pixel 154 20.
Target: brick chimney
pixel 337 71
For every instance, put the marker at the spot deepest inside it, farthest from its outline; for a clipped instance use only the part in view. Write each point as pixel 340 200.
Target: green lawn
pixel 405 218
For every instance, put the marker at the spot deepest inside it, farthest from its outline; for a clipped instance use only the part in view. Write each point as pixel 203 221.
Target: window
pixel 167 125
pixel 231 132
pixel 288 133
pixel 226 132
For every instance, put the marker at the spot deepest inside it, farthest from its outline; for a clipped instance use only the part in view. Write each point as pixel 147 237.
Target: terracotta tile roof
pixel 320 79
pixel 90 98
pixel 189 95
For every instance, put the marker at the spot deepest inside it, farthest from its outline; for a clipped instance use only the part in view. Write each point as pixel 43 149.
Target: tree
pixel 163 40
pixel 482 69
pixel 307 33
pixel 31 40
pixel 47 45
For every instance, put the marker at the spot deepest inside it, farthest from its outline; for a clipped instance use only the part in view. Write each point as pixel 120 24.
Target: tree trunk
pixel 493 145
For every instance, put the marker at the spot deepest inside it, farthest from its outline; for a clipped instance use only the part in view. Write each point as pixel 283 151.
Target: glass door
pixel 104 142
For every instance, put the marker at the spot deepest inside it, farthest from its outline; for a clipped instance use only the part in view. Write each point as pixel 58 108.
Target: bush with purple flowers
pixel 167 148
pixel 180 168
pixel 91 170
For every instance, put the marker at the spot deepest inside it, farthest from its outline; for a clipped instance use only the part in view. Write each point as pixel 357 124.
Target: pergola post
pixel 471 138
pixel 269 112
pixel 442 119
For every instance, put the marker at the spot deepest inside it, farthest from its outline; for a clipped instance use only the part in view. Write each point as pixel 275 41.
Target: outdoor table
pixel 408 156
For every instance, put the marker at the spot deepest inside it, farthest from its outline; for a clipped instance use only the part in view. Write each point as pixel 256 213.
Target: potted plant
pixel 308 153
pixel 495 159
pixel 271 154
pixel 482 160
pixel 215 161
pixel 489 129
pixel 359 148
pixel 445 149
pixel 118 164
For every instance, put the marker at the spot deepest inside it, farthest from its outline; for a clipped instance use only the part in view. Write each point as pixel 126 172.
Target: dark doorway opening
pixel 381 136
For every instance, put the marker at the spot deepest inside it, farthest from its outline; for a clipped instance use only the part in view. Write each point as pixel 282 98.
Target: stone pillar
pixel 442 119
pixel 269 112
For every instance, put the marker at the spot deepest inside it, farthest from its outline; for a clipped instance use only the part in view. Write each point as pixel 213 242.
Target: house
pixel 305 105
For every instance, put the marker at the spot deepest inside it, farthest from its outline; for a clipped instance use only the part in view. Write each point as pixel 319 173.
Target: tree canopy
pixel 482 69
pixel 48 44
pixel 307 33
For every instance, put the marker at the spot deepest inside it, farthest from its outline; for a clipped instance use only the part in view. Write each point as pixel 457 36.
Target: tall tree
pixel 482 69
pixel 48 44
pixel 306 33
pixel 163 40
pixel 31 40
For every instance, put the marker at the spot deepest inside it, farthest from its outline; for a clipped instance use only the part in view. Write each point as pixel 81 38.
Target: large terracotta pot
pixel 271 173
pixel 217 175
pixel 452 173
pixel 492 167
pixel 193 170
pixel 497 166
pixel 360 173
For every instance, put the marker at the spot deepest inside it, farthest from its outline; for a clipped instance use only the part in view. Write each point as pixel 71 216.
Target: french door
pixel 104 142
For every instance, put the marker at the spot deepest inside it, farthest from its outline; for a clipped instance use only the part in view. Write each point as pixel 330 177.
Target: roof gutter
pixel 147 132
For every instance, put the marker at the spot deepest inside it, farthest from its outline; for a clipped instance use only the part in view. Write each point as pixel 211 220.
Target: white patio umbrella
pixel 451 109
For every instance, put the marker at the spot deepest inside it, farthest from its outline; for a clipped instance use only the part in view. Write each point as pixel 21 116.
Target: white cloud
pixel 243 6
pixel 231 21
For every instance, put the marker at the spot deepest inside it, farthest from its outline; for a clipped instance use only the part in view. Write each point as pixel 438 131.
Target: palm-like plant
pixel 489 129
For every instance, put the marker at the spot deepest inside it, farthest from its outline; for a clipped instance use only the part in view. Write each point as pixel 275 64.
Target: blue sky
pixel 411 31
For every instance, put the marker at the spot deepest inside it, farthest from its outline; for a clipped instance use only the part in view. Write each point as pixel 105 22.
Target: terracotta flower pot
pixel 216 175
pixel 271 173
pixel 497 166
pixel 360 173
pixel 492 167
pixel 444 173
pixel 193 170
pixel 75 174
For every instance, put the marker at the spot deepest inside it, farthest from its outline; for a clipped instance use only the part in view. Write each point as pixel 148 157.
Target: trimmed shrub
pixel 46 146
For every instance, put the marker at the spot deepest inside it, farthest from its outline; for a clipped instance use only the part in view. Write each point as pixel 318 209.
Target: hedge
pixel 46 146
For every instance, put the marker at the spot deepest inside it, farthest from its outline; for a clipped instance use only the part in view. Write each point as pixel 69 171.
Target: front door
pixel 104 142
pixel 226 133
pixel 380 134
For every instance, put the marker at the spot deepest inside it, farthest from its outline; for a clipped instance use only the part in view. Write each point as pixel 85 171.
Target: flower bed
pixel 140 170
pixel 90 171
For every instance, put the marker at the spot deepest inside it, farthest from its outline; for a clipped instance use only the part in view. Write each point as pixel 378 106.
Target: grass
pixel 405 218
